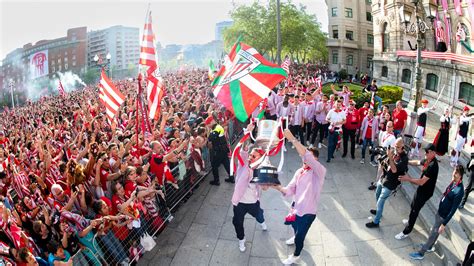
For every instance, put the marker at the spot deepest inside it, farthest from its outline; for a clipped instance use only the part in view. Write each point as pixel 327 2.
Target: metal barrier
pixel 122 245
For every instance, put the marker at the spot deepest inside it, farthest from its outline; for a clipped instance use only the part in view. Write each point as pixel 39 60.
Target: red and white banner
pixel 109 96
pixel 61 90
pixel 286 65
pixel 463 59
pixel 149 60
pixel 39 64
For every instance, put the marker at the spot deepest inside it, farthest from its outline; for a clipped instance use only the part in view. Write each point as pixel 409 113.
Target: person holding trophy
pixel 246 194
pixel 305 187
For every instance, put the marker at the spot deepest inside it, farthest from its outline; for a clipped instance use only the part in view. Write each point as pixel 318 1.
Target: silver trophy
pixel 267 139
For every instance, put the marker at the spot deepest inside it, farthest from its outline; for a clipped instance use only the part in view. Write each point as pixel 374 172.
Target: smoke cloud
pixel 44 87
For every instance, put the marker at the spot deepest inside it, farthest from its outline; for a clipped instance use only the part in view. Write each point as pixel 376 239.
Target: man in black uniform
pixel 426 186
pixel 219 153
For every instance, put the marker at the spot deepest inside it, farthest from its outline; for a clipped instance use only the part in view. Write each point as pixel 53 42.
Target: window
pixel 369 62
pixel 385 38
pixel 350 35
pixel 432 82
pixel 54 69
pixel 334 11
pixel 73 63
pixel 59 68
pixel 370 39
pixel 348 12
pixel 406 76
pixel 369 2
pixel 335 34
pixel 368 16
pixel 350 60
pixel 65 66
pixel 384 71
pixel 335 58
pixel 466 93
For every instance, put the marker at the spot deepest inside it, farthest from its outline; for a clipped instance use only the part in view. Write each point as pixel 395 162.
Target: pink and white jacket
pixel 243 177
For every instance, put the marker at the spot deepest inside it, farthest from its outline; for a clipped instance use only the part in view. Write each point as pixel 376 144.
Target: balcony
pixel 342 43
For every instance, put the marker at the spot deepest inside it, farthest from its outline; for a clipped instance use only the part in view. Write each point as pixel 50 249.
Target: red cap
pixel 425 101
pixel 466 108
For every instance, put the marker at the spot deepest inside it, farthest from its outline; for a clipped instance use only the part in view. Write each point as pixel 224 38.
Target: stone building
pixel 351 38
pixel 447 76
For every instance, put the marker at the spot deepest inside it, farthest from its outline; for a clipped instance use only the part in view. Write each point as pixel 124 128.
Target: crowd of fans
pixel 77 187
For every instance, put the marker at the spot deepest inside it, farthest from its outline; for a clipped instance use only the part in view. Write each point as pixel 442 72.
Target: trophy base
pixel 265 175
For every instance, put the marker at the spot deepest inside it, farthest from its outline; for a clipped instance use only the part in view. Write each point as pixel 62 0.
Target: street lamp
pixel 11 92
pixel 104 65
pixel 417 28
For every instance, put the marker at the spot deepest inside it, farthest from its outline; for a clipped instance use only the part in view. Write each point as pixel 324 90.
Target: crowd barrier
pixel 122 245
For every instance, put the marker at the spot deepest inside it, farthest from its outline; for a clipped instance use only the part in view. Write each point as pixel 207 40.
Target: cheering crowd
pixel 74 184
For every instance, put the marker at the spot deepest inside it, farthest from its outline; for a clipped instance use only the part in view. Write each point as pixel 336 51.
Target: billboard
pixel 39 64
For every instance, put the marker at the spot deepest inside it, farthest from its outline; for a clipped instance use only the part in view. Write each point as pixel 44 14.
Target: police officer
pixel 219 153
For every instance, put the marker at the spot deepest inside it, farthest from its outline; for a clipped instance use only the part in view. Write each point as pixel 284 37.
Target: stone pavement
pixel 202 232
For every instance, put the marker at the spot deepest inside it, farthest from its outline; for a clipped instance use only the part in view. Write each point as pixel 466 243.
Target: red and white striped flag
pixel 109 96
pixel 61 90
pixel 318 82
pixel 286 65
pixel 148 59
pixel 372 101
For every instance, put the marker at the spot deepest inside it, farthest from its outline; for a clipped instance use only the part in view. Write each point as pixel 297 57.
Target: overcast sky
pixel 174 21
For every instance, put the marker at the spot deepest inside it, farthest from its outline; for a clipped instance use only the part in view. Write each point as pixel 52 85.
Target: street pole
pixel 278 55
pixel 418 62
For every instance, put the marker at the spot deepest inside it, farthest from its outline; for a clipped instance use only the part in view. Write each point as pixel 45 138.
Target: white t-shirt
pixel 387 139
pixel 335 117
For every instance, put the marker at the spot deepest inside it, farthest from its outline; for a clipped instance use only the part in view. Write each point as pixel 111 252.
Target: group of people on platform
pixel 335 118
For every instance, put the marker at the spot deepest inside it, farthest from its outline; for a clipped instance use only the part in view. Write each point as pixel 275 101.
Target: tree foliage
pixel 301 35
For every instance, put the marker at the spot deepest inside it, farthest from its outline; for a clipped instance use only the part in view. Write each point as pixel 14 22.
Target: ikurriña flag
pixel 245 79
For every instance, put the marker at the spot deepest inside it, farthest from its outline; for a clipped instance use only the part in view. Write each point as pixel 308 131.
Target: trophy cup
pixel 267 139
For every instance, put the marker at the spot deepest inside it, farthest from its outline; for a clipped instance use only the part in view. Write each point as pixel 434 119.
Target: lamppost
pixel 417 28
pixel 104 65
pixel 11 92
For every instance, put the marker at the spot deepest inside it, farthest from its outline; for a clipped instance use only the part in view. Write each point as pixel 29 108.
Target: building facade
pixel 351 39
pixel 42 60
pixel 123 44
pixel 220 27
pixel 447 74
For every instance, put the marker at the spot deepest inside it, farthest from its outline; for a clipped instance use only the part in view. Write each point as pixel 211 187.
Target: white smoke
pixel 70 81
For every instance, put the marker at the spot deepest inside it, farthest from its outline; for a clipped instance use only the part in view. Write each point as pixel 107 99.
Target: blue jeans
pixel 381 195
pixel 332 142
pixel 301 227
pixel 366 142
pixel 396 132
pixel 113 245
pixel 379 102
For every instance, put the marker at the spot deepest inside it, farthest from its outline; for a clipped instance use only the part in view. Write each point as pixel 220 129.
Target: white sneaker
pixel 401 236
pixel 292 146
pixel 373 163
pixel 290 260
pixel 311 146
pixel 284 148
pixel 357 146
pixel 405 221
pixel 290 241
pixel 264 226
pixel 362 161
pixel 319 145
pixel 242 245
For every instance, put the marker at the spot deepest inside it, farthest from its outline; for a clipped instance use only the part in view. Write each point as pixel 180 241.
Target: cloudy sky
pixel 174 21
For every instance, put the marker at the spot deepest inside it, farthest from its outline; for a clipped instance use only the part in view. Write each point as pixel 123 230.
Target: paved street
pixel 202 232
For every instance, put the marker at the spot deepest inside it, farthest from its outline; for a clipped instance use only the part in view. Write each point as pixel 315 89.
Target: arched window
pixel 466 93
pixel 385 38
pixel 384 71
pixel 432 82
pixel 406 76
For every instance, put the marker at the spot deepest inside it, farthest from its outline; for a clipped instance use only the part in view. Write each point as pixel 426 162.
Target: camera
pixel 378 150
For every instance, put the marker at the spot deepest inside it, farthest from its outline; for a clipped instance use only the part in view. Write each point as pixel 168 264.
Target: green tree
pixel 302 38
pixel 91 76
